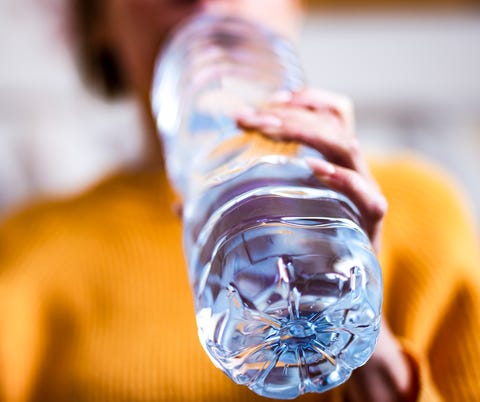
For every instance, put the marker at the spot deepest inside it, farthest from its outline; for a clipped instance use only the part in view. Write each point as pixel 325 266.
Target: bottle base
pixel 285 325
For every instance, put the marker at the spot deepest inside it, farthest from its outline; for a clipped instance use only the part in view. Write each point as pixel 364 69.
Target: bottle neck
pixel 212 68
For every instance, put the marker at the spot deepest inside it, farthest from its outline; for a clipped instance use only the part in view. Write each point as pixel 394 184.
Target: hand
pixel 389 376
pixel 324 121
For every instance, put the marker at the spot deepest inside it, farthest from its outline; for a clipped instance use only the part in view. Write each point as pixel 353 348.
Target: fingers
pixel 321 130
pixel 318 100
pixel 306 119
pixel 324 121
pixel 361 191
pixel 371 386
pixel 387 376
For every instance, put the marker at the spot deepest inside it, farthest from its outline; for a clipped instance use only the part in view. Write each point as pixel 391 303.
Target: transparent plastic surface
pixel 287 288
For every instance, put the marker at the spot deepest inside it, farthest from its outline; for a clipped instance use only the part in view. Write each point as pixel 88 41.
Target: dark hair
pixel 99 64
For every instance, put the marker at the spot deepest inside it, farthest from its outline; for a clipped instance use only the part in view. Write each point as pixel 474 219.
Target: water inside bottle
pixel 287 288
pixel 290 301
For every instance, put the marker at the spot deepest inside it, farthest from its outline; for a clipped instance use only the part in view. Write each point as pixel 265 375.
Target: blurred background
pixel 413 72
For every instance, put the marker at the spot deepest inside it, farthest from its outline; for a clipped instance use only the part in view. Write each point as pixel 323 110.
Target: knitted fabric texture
pixel 96 304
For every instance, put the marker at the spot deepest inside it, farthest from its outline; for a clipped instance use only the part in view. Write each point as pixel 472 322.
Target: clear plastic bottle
pixel 286 285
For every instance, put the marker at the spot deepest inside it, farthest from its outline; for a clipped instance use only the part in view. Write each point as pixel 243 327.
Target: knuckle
pixel 291 128
pixel 353 182
pixel 354 148
pixel 351 153
pixel 378 208
pixel 343 103
pixel 346 111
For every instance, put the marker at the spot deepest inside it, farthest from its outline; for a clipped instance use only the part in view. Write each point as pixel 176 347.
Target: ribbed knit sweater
pixel 95 303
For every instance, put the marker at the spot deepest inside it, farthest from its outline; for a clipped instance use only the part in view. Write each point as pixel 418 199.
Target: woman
pixel 99 306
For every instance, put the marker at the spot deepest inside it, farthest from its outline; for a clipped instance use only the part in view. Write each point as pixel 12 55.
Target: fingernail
pixel 383 203
pixel 260 120
pixel 281 97
pixel 269 120
pixel 320 166
pixel 272 131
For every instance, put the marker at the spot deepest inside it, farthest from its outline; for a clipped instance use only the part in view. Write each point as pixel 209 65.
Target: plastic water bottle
pixel 286 285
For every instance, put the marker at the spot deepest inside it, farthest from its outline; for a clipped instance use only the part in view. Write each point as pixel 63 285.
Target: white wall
pixel 415 80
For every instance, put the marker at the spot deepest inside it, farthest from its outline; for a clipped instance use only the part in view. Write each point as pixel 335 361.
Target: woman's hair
pixel 99 63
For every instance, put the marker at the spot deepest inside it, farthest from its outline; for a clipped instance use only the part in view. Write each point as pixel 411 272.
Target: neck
pixel 152 150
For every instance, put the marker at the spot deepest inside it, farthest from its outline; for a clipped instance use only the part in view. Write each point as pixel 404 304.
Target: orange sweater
pixel 96 305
